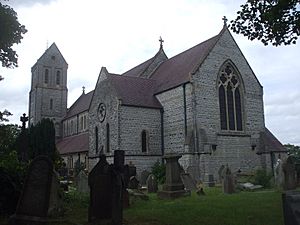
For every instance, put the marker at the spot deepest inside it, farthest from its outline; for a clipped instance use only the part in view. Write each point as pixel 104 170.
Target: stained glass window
pixel 230 99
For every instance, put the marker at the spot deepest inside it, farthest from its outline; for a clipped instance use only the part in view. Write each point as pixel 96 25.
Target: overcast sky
pixel 120 34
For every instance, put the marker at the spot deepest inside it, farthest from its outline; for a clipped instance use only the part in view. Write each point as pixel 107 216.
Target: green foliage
pixel 275 22
pixel 5 113
pixel 263 178
pixel 42 139
pixel 159 171
pixel 11 33
pixel 8 137
pixel 15 169
pixel 294 150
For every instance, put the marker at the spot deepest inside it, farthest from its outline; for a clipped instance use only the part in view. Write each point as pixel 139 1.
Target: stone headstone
pixel 173 186
pixel 152 185
pixel 221 173
pixel 278 174
pixel 289 171
pixel 133 183
pixel 291 207
pixel 81 182
pixel 100 183
pixel 144 176
pixel 188 181
pixel 34 203
pixel 131 170
pixel 228 182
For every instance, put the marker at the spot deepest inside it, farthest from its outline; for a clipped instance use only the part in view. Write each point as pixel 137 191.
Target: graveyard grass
pixel 215 208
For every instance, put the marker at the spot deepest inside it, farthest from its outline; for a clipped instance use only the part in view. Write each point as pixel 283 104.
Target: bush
pixel 159 171
pixel 263 178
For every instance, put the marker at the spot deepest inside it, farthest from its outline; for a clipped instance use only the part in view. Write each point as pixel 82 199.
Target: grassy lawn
pixel 215 208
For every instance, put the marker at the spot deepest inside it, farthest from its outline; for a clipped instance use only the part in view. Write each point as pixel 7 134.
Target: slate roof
pixel 80 105
pixel 135 91
pixel 73 144
pixel 269 143
pixel 176 70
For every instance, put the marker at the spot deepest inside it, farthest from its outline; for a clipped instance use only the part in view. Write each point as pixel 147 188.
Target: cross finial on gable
pixel 161 42
pixel 83 89
pixel 225 20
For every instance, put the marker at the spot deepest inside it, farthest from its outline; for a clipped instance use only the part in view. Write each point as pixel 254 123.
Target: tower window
pixel 58 78
pixel 144 141
pixel 230 99
pixel 107 138
pixel 51 104
pixel 46 76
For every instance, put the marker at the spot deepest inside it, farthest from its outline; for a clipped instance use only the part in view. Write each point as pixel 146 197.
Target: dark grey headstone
pixel 144 176
pixel 289 170
pixel 228 182
pixel 291 207
pixel 152 185
pixel 35 198
pixel 133 183
pixel 81 182
pixel 188 181
pixel 100 184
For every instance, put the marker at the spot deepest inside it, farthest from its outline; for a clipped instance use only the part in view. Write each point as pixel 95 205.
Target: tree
pixel 8 137
pixel 293 150
pixel 274 21
pixel 11 33
pixel 4 114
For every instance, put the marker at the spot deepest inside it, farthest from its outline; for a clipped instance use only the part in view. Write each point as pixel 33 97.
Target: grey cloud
pixel 27 3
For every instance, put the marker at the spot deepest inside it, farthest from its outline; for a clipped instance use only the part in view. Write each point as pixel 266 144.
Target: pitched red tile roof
pixel 269 143
pixel 80 105
pixel 73 144
pixel 135 91
pixel 176 70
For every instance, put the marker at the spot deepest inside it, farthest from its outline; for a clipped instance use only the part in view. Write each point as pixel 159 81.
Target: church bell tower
pixel 49 92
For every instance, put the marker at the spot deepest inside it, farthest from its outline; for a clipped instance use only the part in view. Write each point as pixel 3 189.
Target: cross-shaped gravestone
pixel 24 119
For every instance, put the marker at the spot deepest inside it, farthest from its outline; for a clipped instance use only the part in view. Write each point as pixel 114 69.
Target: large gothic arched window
pixel 230 99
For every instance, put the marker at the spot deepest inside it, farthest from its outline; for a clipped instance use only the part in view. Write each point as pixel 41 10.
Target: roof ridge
pixel 132 77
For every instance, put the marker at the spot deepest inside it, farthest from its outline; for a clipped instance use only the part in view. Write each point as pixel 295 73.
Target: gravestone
pixel 133 183
pixel 291 207
pixel 289 171
pixel 221 173
pixel 131 169
pixel 34 203
pixel 144 176
pixel 100 183
pixel 188 181
pixel 278 174
pixel 228 182
pixel 152 185
pixel 173 186
pixel 81 182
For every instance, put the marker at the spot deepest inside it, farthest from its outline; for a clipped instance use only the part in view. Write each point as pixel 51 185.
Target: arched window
pixel 230 99
pixel 51 104
pixel 96 139
pixel 46 78
pixel 144 141
pixel 58 77
pixel 107 138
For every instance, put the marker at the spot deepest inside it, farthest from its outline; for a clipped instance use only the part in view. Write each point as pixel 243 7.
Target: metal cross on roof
pixel 225 20
pixel 83 89
pixel 161 42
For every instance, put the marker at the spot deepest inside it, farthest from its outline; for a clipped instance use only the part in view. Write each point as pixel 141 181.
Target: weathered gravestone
pixel 228 182
pixel 81 182
pixel 144 176
pixel 221 173
pixel 152 185
pixel 291 207
pixel 39 198
pixel 289 171
pixel 100 184
pixel 188 181
pixel 133 183
pixel 173 186
pixel 278 174
pixel 107 189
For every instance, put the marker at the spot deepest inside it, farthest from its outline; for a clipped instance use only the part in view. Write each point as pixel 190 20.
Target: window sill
pixel 233 133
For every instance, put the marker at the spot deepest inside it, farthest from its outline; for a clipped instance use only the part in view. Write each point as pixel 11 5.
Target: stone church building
pixel 204 103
